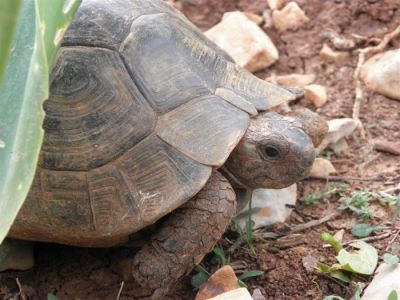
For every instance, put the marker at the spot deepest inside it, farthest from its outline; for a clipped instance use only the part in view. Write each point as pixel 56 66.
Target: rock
pixel 381 74
pixel 290 17
pixel 223 280
pixel 338 129
pixel 242 39
pixel 267 18
pixel 316 94
pixel 257 295
pixel 269 206
pixel 275 4
pixel 253 17
pixel 385 280
pixel 309 263
pixel 294 80
pixel 339 147
pixel 332 56
pixel 322 168
pixel 238 294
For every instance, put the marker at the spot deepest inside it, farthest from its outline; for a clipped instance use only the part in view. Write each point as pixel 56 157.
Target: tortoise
pixel 143 110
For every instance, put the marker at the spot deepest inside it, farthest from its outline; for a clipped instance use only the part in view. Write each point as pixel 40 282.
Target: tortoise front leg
pixel 186 236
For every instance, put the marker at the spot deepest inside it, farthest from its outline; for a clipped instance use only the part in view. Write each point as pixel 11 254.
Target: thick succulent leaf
pixel 39 30
pixel 8 20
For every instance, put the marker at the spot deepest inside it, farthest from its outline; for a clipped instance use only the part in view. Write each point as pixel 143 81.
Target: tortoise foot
pixel 16 255
pixel 185 237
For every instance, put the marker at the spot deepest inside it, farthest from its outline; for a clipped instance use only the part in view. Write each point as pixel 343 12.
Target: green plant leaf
pixel 221 255
pixel 197 280
pixel 391 259
pixel 39 30
pixel 331 240
pixel 364 230
pixel 392 295
pixel 362 261
pixel 333 297
pixel 340 275
pixel 51 296
pixel 242 284
pixel 254 273
pixel 9 10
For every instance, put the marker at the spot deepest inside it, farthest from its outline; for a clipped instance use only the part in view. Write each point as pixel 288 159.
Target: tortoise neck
pixel 234 181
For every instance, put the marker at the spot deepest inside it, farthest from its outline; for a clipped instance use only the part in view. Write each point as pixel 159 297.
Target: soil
pixel 79 273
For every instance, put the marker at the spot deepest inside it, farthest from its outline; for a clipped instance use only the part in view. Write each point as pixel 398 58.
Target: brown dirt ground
pixel 78 273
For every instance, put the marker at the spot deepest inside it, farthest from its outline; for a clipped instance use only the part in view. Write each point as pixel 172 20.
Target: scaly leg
pixel 186 236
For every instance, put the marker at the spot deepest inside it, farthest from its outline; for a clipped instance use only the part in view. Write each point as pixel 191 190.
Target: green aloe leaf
pixel 39 29
pixel 9 10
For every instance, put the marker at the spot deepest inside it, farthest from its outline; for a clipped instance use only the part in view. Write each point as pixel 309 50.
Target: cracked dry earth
pixel 80 273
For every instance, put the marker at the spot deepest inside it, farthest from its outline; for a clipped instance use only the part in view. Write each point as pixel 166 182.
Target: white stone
pixel 257 295
pixel 381 74
pixel 322 168
pixel 271 206
pixel 339 147
pixel 290 17
pixel 316 94
pixel 238 294
pixel 257 19
pixel 294 80
pixel 333 56
pixel 244 41
pixel 275 4
pixel 340 128
pixel 386 279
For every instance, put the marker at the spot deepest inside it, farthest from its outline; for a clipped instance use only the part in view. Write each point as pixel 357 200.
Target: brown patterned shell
pixel 142 106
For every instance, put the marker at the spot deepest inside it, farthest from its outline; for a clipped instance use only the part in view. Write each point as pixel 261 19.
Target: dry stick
pixel 356 76
pixel 392 240
pixel 368 162
pixel 240 241
pixel 348 178
pixel 21 291
pixel 370 238
pixel 388 147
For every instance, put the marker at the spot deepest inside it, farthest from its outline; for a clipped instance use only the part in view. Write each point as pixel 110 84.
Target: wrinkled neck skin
pixel 276 151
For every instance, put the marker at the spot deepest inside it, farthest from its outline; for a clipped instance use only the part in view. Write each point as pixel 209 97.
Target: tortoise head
pixel 276 150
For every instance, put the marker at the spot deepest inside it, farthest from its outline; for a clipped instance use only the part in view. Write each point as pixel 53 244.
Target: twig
pixel 362 53
pixel 392 240
pixel 370 238
pixel 241 240
pixel 21 291
pixel 393 189
pixel 388 147
pixel 314 223
pixel 368 162
pixel 348 178
pixel 120 290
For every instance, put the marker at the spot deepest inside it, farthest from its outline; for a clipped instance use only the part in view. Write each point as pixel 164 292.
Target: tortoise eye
pixel 271 152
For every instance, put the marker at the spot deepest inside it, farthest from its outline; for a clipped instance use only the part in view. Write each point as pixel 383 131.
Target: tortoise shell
pixel 142 106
